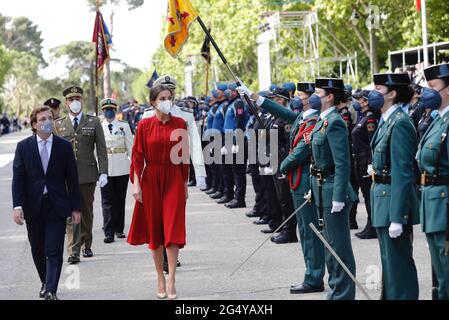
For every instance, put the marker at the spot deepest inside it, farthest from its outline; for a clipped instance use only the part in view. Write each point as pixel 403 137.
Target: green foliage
pixel 5 65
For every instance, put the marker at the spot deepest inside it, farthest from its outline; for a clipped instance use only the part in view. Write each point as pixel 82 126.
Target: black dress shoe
pixel 43 291
pixel 263 220
pixel 283 237
pixel 120 235
pixel 73 259
pixel 87 253
pixel 204 189
pixel 109 240
pixel 216 195
pixel 369 233
pixel 178 264
pixel 51 296
pixel 211 191
pixel 252 214
pixel 223 199
pixel 269 230
pixel 305 288
pixel 191 184
pixel 235 204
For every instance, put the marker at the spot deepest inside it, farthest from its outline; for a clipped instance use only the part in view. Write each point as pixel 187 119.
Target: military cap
pixel 289 86
pixel 440 71
pixel 360 93
pixel 73 91
pixel 52 103
pixel 281 93
pixel 392 79
pixel 166 81
pixel 329 83
pixel 232 86
pixel 108 103
pixel 272 87
pixel 193 100
pixel 365 94
pixel 222 86
pixel 348 88
pixel 308 87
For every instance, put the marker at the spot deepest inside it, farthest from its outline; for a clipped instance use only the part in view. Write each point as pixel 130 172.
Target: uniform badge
pixel 288 128
pixel 371 127
pixel 323 129
pixel 308 137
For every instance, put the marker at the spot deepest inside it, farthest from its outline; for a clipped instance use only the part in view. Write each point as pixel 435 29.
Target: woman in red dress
pixel 159 172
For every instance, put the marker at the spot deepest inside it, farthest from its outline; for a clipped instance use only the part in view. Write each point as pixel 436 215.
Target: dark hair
pixel 338 95
pixel 35 112
pixel 155 91
pixel 403 93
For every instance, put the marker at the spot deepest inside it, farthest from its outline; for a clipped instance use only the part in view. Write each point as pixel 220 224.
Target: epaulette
pixel 186 109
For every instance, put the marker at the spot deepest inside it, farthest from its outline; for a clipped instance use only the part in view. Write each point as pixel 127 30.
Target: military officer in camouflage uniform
pixel 331 189
pixel 85 133
pixel 119 143
pixel 394 200
pixel 433 162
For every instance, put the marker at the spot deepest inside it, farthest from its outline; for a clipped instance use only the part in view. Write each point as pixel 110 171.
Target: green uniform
pixel 394 199
pixel 434 200
pixel 330 149
pixel 88 137
pixel 312 247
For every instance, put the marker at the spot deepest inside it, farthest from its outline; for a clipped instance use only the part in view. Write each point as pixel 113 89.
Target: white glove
pixel 308 195
pixel 201 182
pixel 242 90
pixel 224 151
pixel 337 206
pixel 268 171
pixel 370 169
pixel 102 181
pixel 235 149
pixel 395 230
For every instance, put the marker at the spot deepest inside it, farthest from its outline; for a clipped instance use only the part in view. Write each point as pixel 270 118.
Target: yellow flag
pixel 180 14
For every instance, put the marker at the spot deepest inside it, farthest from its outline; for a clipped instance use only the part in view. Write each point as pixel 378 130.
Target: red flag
pixel 418 5
pixel 101 41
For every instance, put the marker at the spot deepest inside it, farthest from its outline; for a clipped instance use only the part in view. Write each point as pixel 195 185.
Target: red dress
pixel 160 218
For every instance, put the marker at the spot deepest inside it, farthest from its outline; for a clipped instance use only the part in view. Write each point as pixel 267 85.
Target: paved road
pixel 218 239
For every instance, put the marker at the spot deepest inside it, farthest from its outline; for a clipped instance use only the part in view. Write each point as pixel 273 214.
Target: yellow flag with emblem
pixel 180 14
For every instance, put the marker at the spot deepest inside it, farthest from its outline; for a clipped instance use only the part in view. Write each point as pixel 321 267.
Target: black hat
pixel 308 87
pixel 73 91
pixel 437 72
pixel 365 94
pixel 282 93
pixel 52 103
pixel 193 100
pixel 392 79
pixel 330 83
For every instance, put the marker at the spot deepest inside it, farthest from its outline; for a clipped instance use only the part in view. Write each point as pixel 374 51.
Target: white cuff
pixel 260 101
pixel 17 208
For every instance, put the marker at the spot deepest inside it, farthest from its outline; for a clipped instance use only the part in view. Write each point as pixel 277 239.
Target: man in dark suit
pixel 45 193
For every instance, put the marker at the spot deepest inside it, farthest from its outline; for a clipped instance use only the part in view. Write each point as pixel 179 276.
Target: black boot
pixel 368 233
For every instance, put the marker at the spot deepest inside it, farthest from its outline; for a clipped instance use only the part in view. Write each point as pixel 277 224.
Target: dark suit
pixel 46 216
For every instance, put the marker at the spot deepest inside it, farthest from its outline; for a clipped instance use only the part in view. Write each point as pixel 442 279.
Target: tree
pixel 5 65
pixel 21 34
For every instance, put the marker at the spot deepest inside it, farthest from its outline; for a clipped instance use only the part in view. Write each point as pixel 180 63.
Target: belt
pixel 381 178
pixel 427 180
pixel 116 150
pixel 321 173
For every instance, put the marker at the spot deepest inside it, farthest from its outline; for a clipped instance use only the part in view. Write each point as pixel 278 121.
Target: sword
pixel 307 198
pixel 340 262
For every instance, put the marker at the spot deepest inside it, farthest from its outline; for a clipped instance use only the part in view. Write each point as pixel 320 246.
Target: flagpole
pixel 97 3
pixel 207 77
pixel 424 33
pixel 237 81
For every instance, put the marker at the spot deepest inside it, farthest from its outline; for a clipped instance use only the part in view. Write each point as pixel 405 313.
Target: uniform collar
pixel 308 113
pixel 324 114
pixel 389 112
pixel 444 111
pixel 78 117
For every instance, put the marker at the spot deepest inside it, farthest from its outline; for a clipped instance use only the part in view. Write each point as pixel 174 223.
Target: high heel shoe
pixel 162 295
pixel 172 296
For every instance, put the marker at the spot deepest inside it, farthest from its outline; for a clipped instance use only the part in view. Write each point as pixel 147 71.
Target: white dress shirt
pixel 325 113
pixel 72 118
pixel 389 112
pixel 444 111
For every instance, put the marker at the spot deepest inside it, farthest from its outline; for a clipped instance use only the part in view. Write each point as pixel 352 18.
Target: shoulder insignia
pixel 371 126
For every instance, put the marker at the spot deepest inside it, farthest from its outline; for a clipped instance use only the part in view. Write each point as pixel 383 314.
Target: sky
pixel 136 33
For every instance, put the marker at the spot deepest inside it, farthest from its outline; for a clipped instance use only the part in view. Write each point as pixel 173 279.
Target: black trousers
pixel 192 173
pixel 258 186
pixel 355 185
pixel 46 235
pixel 239 173
pixel 365 183
pixel 228 181
pixel 274 212
pixel 286 203
pixel 113 198
pixel 209 175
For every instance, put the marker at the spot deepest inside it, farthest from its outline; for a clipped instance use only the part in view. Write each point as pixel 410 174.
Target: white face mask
pixel 75 106
pixel 165 106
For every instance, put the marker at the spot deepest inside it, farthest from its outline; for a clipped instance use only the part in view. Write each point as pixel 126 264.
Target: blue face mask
pixel 430 99
pixel 46 127
pixel 315 102
pixel 109 114
pixel 297 104
pixel 376 100
pixel 356 105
